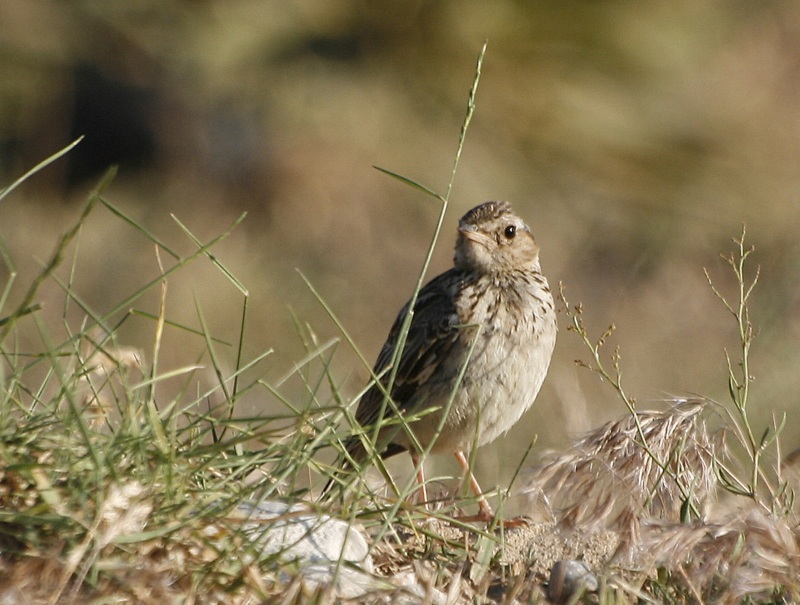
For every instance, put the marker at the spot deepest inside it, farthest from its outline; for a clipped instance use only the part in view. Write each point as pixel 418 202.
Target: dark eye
pixel 510 231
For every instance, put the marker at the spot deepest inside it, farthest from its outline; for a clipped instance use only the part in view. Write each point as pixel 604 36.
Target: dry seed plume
pixel 608 479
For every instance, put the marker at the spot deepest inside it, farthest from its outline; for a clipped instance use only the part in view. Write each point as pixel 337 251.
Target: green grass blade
pixel 40 166
pixel 410 182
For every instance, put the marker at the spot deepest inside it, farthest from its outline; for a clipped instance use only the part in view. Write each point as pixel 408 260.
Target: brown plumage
pixel 491 320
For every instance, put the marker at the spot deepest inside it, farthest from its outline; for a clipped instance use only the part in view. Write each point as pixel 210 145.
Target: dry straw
pixel 735 548
pixel 608 479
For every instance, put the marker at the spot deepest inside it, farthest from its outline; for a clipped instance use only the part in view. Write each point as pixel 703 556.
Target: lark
pixel 476 353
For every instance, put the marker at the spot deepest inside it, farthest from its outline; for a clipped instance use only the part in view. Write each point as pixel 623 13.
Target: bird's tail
pixel 355 457
pixel 345 468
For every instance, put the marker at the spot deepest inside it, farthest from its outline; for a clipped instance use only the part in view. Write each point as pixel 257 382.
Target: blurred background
pixel 635 138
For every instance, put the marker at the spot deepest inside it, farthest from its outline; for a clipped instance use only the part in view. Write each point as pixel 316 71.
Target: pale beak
pixel 471 233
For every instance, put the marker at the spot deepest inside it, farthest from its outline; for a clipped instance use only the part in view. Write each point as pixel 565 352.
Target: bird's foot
pixel 516 522
pixel 486 515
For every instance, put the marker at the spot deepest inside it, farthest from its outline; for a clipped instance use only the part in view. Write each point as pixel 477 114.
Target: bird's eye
pixel 510 231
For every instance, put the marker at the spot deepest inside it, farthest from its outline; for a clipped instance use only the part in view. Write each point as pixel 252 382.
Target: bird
pixel 475 354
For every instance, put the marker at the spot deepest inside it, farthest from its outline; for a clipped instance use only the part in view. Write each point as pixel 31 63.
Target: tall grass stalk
pixel 757 478
pixel 369 440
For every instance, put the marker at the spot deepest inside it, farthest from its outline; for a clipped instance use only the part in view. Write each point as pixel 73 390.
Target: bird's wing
pixel 432 337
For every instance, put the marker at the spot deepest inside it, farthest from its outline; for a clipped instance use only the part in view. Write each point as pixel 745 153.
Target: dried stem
pixel 740 378
pixel 614 378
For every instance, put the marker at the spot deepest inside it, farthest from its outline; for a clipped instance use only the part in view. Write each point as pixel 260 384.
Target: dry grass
pixel 698 518
pixel 609 479
pixel 751 554
pixel 735 548
pixel 114 486
pixel 96 503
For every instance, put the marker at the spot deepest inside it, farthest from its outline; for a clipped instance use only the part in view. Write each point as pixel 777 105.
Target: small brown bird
pixel 477 351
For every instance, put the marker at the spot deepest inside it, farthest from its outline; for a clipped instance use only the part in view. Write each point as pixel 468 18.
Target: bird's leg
pixel 423 488
pixel 485 513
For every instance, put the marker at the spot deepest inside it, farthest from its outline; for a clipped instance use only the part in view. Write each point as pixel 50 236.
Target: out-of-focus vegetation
pixel 634 138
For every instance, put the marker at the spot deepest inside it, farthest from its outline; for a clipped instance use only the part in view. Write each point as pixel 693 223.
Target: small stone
pixel 327 551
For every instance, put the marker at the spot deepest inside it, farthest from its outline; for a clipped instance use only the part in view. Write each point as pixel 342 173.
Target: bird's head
pixel 492 239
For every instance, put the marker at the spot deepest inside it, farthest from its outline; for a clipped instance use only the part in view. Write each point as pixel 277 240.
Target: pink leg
pixel 486 514
pixel 423 488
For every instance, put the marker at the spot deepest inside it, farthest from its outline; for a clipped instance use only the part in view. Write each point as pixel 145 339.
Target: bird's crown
pixel 486 212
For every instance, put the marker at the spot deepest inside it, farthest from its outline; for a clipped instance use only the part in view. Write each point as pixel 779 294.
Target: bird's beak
pixel 471 233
